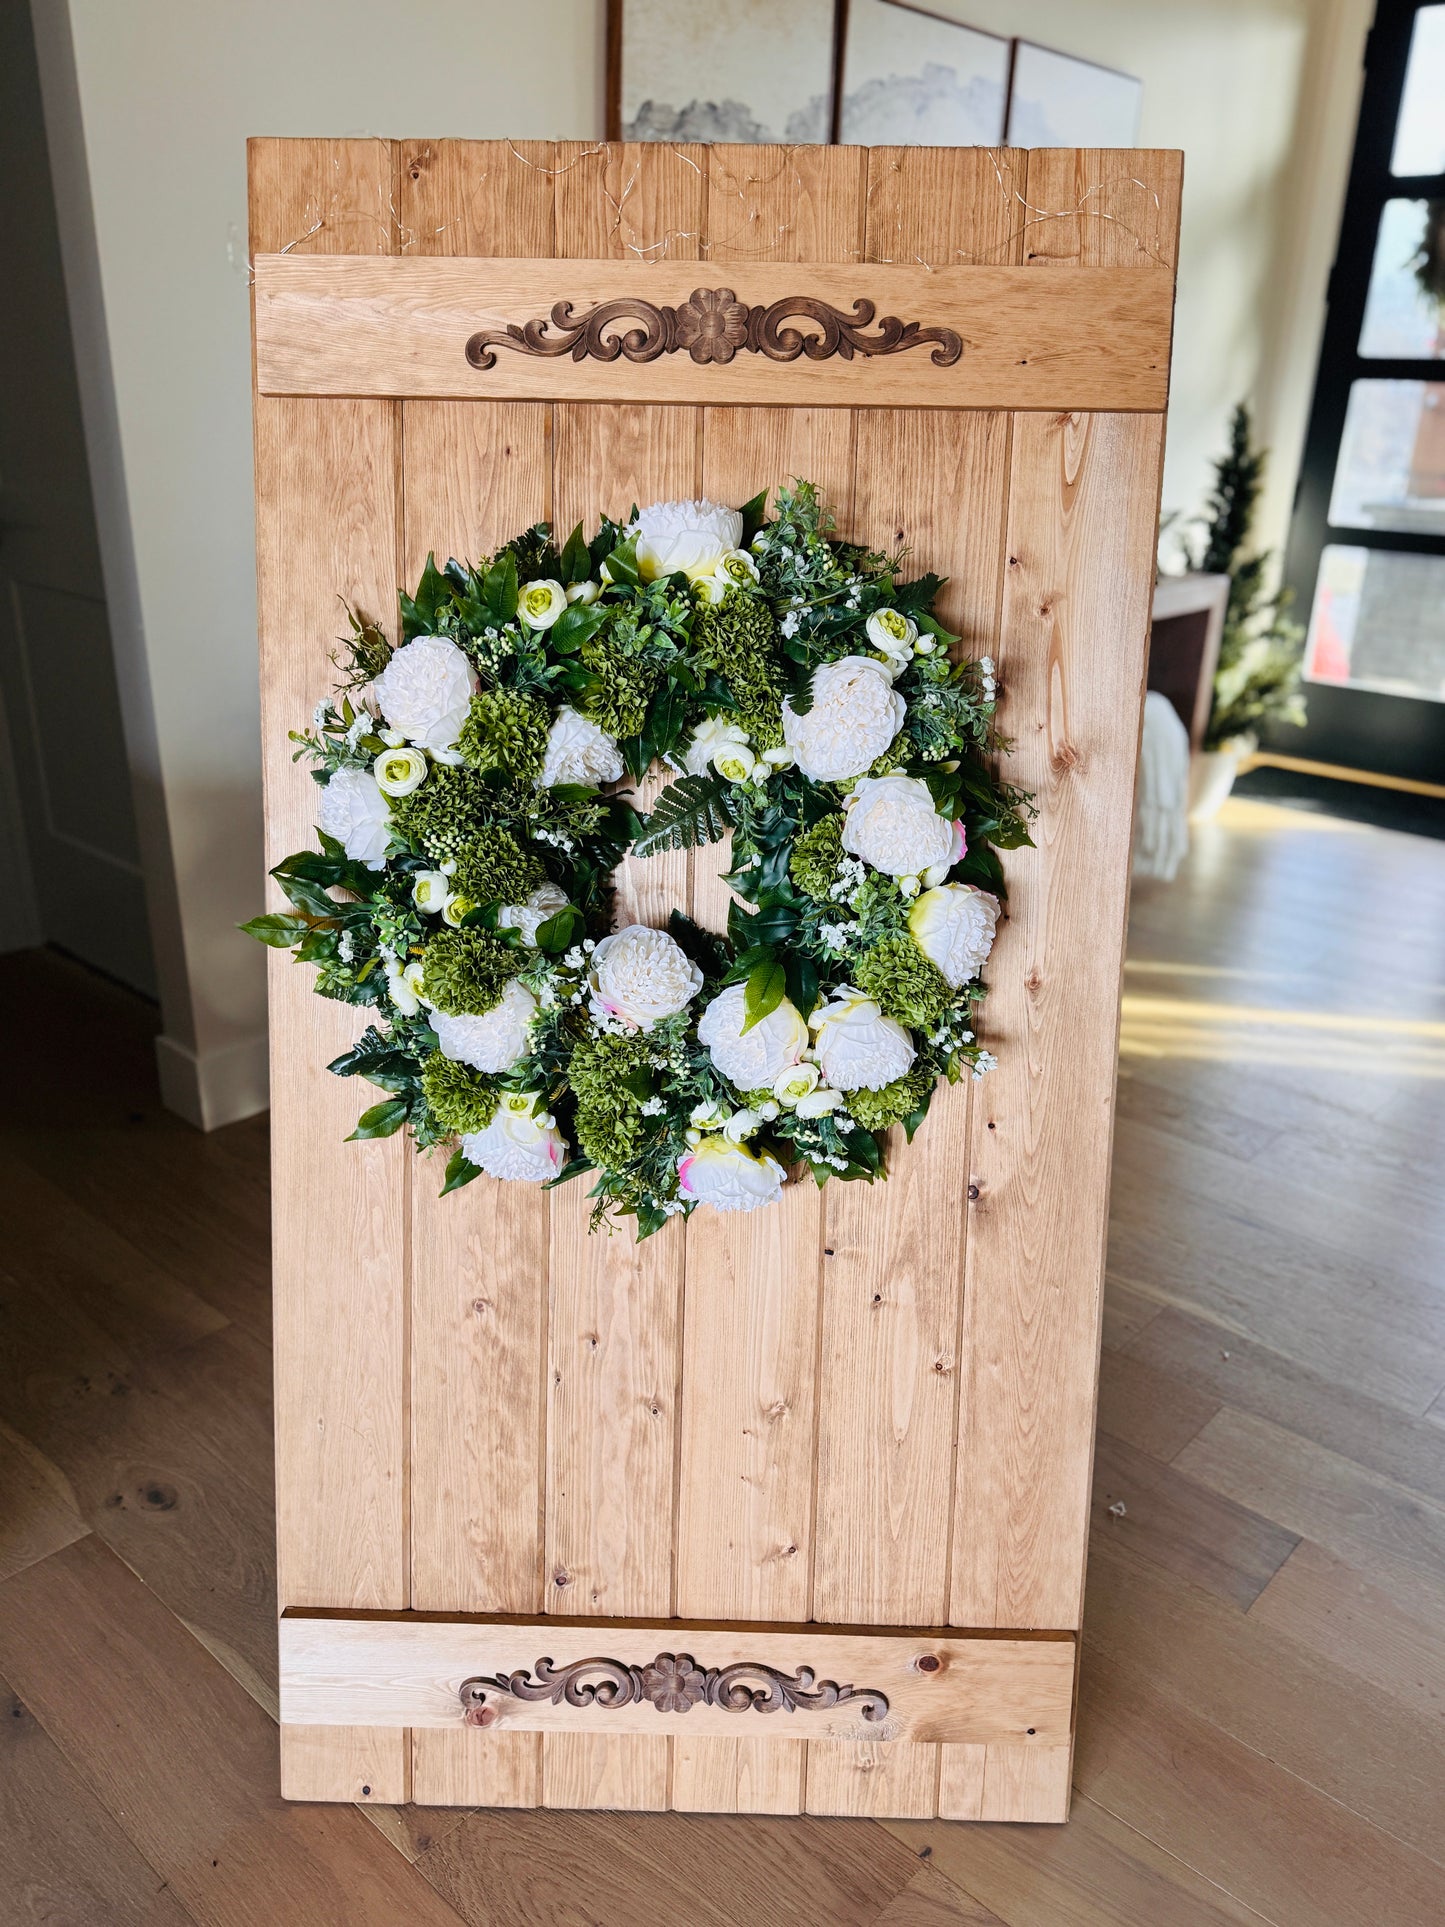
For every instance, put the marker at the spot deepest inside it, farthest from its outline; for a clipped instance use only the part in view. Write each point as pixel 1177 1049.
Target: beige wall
pixel 149 104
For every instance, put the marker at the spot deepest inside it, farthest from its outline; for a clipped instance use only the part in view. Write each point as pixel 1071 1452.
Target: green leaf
pixel 573 1168
pixel 754 514
pixel 557 932
pixel 802 982
pixel 573 627
pixel 692 811
pixel 767 986
pixel 419 612
pixel 277 929
pixel 665 718
pixel 499 588
pixel 622 564
pixel 575 562
pixel 460 1171
pixel 800 696
pixel 382 1120
pixel 701 945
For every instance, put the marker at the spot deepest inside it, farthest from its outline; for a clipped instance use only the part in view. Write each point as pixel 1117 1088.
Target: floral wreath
pixel 804 696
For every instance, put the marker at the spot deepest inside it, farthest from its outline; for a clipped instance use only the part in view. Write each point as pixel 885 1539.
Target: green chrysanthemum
pixel 737 639
pixel 464 972
pixel 450 810
pixel 876 1110
pixel 459 1098
pixel 496 869
pixel 610 1124
pixel 505 731
pixel 815 859
pixel 908 985
pixel 623 687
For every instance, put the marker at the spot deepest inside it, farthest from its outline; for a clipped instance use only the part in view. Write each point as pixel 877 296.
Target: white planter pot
pixel 1211 778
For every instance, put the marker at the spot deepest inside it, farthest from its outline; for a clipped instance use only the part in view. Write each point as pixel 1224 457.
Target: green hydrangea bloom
pixel 618 700
pixel 464 972
pixel 496 869
pixel 876 1110
pixel 505 731
pixel 448 811
pixel 737 639
pixel 817 853
pixel 610 1125
pixel 909 986
pixel 459 1098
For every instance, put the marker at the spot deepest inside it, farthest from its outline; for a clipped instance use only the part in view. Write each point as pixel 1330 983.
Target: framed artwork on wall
pixel 720 70
pixel 1056 100
pixel 915 78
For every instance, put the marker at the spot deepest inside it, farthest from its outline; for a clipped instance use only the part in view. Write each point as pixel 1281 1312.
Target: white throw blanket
pixel 1161 812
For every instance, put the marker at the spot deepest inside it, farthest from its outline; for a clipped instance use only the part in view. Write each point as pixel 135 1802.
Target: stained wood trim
pixel 991 337
pixel 380 1670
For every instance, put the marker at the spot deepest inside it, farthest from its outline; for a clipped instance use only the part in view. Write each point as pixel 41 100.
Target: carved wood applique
pixel 673 1683
pixel 713 325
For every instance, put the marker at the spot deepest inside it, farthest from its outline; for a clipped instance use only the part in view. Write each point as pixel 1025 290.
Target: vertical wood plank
pixel 326 490
pixel 888 1364
pixel 475 474
pixel 745 1491
pixel 1004 1783
pixel 616 1306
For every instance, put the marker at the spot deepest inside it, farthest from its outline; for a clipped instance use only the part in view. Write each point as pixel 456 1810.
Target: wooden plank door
pixel 865 1409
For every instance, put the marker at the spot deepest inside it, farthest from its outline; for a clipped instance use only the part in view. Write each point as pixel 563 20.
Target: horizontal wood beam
pixel 615 1677
pixel 770 334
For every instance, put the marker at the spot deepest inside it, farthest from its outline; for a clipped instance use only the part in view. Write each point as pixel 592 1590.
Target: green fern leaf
pixel 689 812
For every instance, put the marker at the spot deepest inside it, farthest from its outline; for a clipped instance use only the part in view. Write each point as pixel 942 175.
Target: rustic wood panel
pixel 367 328
pixel 474 474
pixel 327 524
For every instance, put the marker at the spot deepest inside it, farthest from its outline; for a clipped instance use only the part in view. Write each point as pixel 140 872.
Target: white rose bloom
pixel 529 917
pixel 757 1058
pixel 856 713
pixel 954 927
pixel 578 752
pixel 425 692
pixel 892 824
pixel 430 890
pixel 729 1176
pixel 354 811
pixel 858 1047
pixel 641 975
pixel 517 1143
pixel 713 734
pixel 400 771
pixel 735 763
pixel 540 603
pixel 685 538
pixel 493 1041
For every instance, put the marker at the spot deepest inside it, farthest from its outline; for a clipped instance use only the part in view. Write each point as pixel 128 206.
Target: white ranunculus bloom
pixel 529 917
pixel 430 890
pixel 425 691
pixel 714 733
pixel 578 752
pixel 519 1143
pixel 584 592
pixel 455 908
pixel 493 1041
pixel 858 1047
pixel 757 1058
pixel 819 1103
pixel 354 811
pixel 954 927
pixel 856 713
pixel 540 603
pixel 404 986
pixel 729 1176
pixel 741 1126
pixel 641 975
pixel 894 635
pixel 400 771
pixel 892 824
pixel 798 1081
pixel 735 763
pixel 685 538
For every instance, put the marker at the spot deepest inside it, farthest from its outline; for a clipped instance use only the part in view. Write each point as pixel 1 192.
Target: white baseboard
pixel 220 1087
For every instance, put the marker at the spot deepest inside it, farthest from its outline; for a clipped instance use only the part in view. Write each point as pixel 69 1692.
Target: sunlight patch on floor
pixel 1158 1027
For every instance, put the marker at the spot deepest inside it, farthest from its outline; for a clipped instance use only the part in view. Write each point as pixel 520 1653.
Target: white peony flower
pixel 856 713
pixel 493 1041
pixel 354 811
pixel 430 890
pixel 404 986
pixel 892 824
pixel 685 538
pixel 519 1143
pixel 954 927
pixel 540 603
pixel 584 592
pixel 713 734
pixel 578 752
pixel 858 1047
pixel 425 691
pixel 400 771
pixel 729 1176
pixel 756 1058
pixel 641 975
pixel 529 917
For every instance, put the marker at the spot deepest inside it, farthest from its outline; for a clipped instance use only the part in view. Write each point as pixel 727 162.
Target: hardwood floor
pixel 1261 1734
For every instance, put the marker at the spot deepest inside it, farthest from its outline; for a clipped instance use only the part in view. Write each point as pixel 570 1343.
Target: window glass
pixel 1401 320
pixel 1420 130
pixel 1379 622
pixel 1391 468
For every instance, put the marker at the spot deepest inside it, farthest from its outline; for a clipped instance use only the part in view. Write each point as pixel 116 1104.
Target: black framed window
pixel 1366 553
